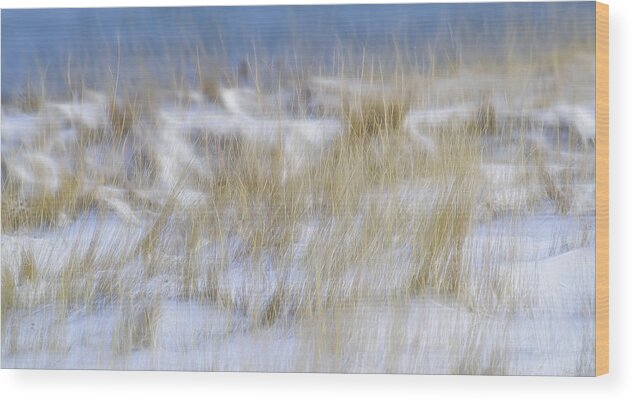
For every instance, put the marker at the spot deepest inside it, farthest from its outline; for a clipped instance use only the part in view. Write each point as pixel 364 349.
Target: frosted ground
pixel 361 214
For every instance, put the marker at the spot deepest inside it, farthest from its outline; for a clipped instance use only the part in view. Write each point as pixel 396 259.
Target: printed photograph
pixel 397 188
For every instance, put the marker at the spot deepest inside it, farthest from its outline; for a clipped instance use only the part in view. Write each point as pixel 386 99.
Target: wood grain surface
pixel 602 190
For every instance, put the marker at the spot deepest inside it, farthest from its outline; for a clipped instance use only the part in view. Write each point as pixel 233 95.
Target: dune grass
pixel 8 294
pixel 300 242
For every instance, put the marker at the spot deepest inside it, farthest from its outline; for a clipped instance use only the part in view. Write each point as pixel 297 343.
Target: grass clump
pixel 440 240
pixel 28 268
pixel 442 231
pixel 211 88
pixel 9 294
pixel 122 118
pixel 556 186
pixel 126 113
pixel 29 99
pixel 137 325
pixel 485 118
pixel 43 209
pixel 366 119
pixel 274 307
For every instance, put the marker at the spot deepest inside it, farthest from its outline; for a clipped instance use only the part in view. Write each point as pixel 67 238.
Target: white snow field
pixel 380 221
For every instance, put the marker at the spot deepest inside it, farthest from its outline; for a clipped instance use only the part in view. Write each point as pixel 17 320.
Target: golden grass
pixel 210 88
pixel 122 118
pixel 28 267
pixel 44 209
pixel 485 119
pixel 557 190
pixel 31 100
pixel 440 241
pixel 137 325
pixel 370 219
pixel 9 295
pixel 367 119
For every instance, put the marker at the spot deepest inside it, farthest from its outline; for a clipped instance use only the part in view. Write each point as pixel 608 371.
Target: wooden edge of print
pixel 602 191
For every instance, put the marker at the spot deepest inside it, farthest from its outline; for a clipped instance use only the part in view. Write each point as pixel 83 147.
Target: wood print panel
pixel 389 188
pixel 603 158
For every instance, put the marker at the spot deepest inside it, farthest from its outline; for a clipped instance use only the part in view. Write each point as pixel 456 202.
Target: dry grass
pixel 44 209
pixel 9 295
pixel 137 325
pixel 485 119
pixel 210 88
pixel 32 99
pixel 556 187
pixel 28 267
pixel 440 241
pixel 368 119
pixel 367 219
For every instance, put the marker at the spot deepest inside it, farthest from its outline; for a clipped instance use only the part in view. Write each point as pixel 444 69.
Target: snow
pixel 544 259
